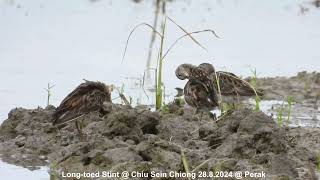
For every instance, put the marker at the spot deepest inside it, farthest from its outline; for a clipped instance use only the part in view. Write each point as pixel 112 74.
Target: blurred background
pixel 62 42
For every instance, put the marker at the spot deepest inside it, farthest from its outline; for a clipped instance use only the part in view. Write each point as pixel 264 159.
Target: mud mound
pixel 140 140
pixel 303 87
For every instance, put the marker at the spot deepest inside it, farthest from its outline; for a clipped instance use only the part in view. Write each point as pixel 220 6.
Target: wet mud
pixel 134 139
pixel 137 139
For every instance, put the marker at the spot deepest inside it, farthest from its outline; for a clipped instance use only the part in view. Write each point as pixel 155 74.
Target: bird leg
pixel 201 114
pixel 213 115
pixel 197 112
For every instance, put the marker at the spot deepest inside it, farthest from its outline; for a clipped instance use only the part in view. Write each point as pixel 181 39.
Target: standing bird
pixel 199 92
pixel 202 87
pixel 87 97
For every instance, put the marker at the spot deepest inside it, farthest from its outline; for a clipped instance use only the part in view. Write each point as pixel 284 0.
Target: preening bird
pixel 87 97
pixel 197 95
pixel 201 90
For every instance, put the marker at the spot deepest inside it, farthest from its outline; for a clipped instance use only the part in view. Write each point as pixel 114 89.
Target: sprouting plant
pixel 49 93
pixel 253 82
pixel 54 175
pixel 280 115
pixel 290 101
pixel 226 107
pixel 318 162
pixel 185 163
pixel 165 108
pixel 162 54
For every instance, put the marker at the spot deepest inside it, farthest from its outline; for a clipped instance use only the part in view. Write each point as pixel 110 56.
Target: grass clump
pixel 280 115
pixel 159 85
pixel 53 171
pixel 281 110
pixel 165 109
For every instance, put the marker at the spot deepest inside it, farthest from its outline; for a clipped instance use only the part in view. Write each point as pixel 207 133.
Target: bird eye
pixel 181 77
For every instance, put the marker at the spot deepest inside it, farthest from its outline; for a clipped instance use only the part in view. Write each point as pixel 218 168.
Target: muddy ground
pixel 304 87
pixel 136 139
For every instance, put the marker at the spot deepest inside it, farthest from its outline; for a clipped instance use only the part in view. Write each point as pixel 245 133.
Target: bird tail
pixel 62 116
pixel 248 91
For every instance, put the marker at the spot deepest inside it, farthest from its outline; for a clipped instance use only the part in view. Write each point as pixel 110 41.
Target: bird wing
pixel 200 75
pixel 75 104
pixel 230 84
pixel 83 88
pixel 197 95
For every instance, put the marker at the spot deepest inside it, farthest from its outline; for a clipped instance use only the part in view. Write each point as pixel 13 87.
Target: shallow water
pixel 63 42
pixel 8 171
pixel 303 115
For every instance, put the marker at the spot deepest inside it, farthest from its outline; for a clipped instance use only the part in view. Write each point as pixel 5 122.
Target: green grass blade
pixel 160 66
pixel 185 35
pixel 193 39
pixel 133 30
pixel 185 163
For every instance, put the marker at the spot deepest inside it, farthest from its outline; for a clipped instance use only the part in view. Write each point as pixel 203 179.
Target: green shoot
pixel 318 162
pixel 54 175
pixel 49 93
pixel 160 66
pixel 165 109
pixel 290 101
pixel 280 115
pixel 185 163
pixel 253 82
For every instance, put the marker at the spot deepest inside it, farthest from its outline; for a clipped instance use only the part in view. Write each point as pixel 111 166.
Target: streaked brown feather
pixel 197 95
pixel 88 96
pixel 232 85
pixel 200 75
